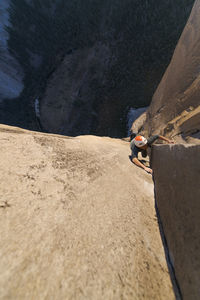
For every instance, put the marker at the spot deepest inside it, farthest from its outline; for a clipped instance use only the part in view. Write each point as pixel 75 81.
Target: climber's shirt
pixel 135 150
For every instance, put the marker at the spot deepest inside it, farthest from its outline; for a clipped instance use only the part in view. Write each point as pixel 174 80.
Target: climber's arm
pixel 166 139
pixel 136 161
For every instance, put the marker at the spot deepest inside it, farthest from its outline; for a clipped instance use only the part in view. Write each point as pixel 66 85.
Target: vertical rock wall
pixel 176 99
pixel 177 189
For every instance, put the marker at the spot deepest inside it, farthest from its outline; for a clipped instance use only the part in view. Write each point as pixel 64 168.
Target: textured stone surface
pixel 175 108
pixel 77 221
pixel 177 187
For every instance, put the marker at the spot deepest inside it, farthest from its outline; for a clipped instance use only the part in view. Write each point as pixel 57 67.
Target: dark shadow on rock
pixel 130 159
pixel 176 287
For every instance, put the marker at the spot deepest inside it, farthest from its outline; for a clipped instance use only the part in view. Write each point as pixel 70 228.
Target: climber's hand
pixel 148 170
pixel 171 142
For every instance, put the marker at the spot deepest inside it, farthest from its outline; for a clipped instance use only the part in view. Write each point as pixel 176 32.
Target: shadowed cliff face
pixel 175 108
pixel 177 192
pixel 119 51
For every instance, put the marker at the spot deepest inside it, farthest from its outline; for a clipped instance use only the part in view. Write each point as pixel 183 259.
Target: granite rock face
pixel 77 221
pixel 177 189
pixel 175 108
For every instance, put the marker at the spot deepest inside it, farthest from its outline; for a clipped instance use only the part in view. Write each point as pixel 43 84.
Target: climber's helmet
pixel 140 141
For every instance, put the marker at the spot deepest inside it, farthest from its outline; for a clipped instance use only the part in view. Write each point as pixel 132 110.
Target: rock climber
pixel 140 144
